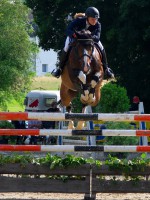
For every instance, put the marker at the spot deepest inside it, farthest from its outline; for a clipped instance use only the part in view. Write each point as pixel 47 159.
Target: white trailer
pixel 40 100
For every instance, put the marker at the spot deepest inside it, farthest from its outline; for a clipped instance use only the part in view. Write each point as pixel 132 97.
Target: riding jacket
pixel 81 24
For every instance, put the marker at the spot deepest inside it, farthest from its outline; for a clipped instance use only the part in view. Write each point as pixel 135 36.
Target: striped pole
pixel 72 148
pixel 72 116
pixel 70 132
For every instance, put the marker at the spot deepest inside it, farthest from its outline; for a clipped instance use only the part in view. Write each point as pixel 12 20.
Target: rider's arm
pixel 96 33
pixel 74 25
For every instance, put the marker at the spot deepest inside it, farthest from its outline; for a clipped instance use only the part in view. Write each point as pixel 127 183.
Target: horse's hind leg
pixel 66 97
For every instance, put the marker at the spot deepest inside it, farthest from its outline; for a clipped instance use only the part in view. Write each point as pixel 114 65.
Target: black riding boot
pixel 57 72
pixel 108 72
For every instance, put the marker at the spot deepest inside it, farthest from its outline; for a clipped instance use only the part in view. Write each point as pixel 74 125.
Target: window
pixel 48 101
pixel 44 67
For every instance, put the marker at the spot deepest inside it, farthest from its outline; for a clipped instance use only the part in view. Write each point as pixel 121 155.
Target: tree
pixel 16 49
pixel 125 36
pixel 51 17
pixel 128 42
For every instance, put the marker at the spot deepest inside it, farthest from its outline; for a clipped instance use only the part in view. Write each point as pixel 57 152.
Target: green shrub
pixel 120 140
pixel 76 104
pixel 113 99
pixel 6 125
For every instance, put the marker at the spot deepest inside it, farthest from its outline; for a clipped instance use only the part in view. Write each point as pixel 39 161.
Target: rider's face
pixel 92 20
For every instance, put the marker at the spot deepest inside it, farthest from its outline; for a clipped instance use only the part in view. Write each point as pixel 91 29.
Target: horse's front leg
pixel 85 95
pixel 94 82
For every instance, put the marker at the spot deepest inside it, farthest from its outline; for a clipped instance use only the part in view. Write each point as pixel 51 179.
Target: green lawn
pixel 38 83
pixel 45 83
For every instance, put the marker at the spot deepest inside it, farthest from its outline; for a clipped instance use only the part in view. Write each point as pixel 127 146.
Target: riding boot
pixel 108 72
pixel 57 72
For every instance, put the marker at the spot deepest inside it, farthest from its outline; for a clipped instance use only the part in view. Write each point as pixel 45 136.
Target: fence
pixel 90 184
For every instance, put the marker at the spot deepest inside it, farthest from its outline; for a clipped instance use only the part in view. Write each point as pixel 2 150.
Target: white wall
pixel 45 57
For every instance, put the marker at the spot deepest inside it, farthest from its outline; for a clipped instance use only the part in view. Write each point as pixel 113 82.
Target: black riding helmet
pixel 92 12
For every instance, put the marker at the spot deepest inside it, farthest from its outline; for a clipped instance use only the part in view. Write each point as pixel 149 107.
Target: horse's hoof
pixel 80 125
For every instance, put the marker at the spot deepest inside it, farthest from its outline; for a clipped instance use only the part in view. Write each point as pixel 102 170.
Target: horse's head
pixel 84 49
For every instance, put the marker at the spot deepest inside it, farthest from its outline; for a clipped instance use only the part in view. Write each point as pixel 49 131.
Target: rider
pixel 89 22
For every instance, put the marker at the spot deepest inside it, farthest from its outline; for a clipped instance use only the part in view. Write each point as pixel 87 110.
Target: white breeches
pixel 68 40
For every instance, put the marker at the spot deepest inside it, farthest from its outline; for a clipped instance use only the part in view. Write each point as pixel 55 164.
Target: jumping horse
pixel 83 73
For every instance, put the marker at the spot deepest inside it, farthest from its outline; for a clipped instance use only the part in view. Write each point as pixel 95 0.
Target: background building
pixel 44 61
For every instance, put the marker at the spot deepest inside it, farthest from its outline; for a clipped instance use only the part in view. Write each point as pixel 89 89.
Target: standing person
pixel 135 103
pixel 89 22
pixel 34 124
pixel 19 125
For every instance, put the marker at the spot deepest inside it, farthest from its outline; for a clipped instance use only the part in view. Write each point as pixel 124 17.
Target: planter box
pixel 110 186
pixel 12 184
pixel 43 183
pixel 34 178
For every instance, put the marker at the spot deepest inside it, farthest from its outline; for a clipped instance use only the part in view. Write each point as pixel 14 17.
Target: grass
pixel 14 106
pixel 38 83
pixel 45 83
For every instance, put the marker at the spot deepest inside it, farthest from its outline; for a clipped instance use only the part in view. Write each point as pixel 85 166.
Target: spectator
pixel 19 125
pixel 34 124
pixel 135 103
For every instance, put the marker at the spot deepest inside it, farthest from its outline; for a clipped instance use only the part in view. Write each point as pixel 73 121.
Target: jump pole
pixel 70 132
pixel 73 148
pixel 73 116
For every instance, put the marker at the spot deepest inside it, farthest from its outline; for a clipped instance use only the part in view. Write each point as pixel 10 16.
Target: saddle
pixel 98 49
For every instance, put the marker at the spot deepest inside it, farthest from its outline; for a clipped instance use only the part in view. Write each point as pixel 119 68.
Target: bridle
pixel 85 53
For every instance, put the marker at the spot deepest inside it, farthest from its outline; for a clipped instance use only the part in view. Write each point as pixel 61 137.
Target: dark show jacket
pixel 80 24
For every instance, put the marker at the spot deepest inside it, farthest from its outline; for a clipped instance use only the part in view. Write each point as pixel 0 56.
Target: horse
pixel 83 73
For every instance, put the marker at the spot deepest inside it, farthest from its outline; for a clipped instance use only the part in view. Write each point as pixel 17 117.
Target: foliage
pixel 125 35
pixel 52 161
pixel 16 50
pixel 123 165
pixel 120 140
pixel 76 104
pixel 51 18
pixel 15 158
pixel 127 166
pixel 6 125
pixel 113 99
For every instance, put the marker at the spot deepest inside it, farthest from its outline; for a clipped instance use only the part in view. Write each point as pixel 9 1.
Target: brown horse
pixel 83 73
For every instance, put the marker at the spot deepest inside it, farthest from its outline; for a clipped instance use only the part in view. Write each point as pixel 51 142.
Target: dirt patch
pixel 60 196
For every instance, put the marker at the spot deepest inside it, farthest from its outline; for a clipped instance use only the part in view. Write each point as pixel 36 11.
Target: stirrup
pixel 56 73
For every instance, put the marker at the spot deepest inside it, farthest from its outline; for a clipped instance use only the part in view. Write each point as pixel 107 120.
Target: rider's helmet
pixel 92 12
